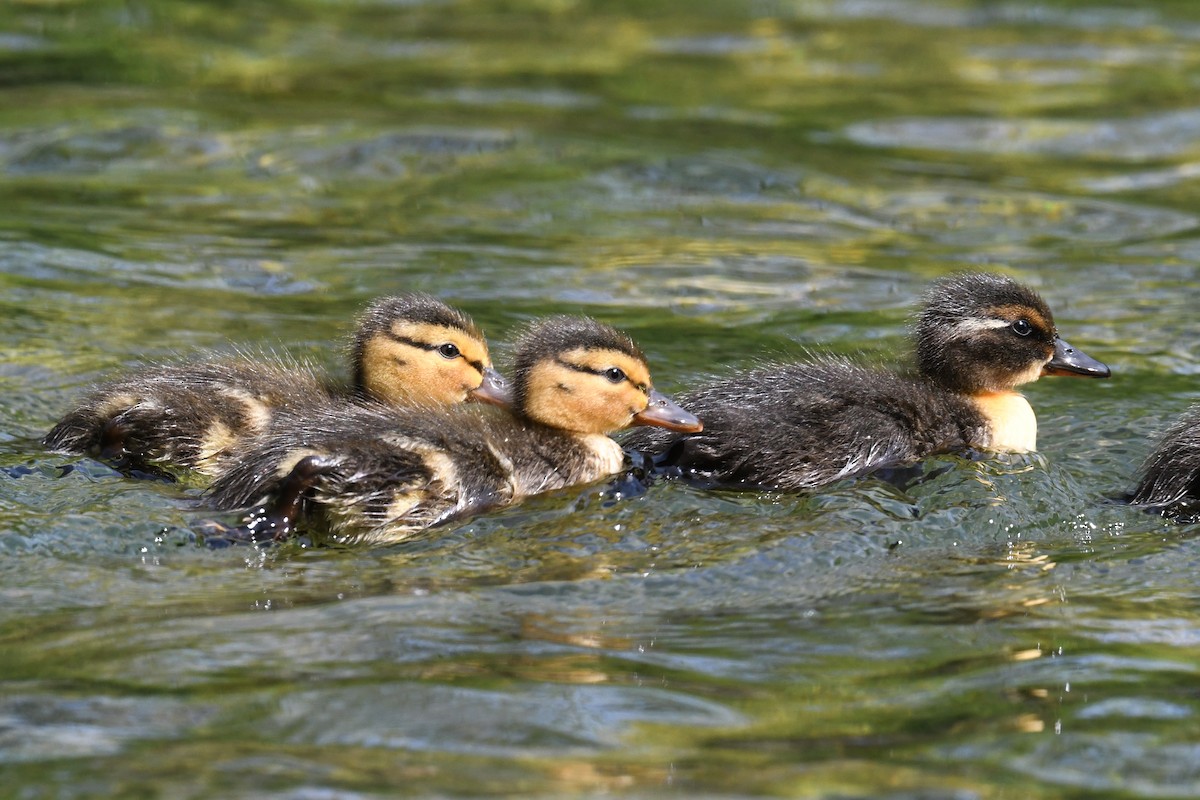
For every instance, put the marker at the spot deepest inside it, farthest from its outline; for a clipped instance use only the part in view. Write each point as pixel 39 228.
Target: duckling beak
pixel 662 412
pixel 1071 362
pixel 494 390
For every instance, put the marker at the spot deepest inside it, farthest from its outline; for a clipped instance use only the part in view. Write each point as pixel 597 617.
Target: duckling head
pixel 982 333
pixel 579 375
pixel 413 349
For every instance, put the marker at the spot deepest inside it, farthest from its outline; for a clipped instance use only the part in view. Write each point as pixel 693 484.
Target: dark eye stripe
pixel 478 365
pixel 579 367
pixel 601 373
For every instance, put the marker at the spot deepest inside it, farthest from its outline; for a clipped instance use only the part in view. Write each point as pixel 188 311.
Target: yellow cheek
pixel 579 401
pixel 452 380
pixel 614 409
pixel 629 400
pixel 418 377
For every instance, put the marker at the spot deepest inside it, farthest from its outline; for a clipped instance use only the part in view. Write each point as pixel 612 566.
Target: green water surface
pixel 728 181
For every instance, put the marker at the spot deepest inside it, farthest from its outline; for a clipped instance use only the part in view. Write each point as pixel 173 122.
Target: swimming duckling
pixel 804 425
pixel 1170 477
pixel 377 477
pixel 407 350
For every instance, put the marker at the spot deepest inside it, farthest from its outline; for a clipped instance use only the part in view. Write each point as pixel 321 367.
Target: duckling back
pixel 1170 476
pixel 804 425
pixel 189 415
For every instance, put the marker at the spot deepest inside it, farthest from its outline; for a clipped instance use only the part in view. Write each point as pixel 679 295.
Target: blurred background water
pixel 726 180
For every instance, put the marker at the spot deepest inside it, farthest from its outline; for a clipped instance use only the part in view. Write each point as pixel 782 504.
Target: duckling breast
pixel 1011 423
pixel 541 459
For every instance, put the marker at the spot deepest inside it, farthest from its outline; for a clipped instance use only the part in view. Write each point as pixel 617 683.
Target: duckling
pixel 407 350
pixel 801 426
pixel 1170 477
pixel 371 476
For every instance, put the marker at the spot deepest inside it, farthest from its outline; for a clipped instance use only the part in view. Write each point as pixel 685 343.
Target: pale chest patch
pixel 1011 421
pixel 610 458
pixel 588 458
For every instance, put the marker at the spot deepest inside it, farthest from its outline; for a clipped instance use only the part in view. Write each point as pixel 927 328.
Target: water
pixel 729 182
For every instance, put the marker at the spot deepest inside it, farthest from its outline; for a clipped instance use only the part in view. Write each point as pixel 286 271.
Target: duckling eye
pixel 448 350
pixel 1022 327
pixel 614 375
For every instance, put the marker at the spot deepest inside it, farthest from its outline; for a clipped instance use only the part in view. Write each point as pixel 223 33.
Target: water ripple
pixel 536 718
pixel 43 727
pixel 1156 136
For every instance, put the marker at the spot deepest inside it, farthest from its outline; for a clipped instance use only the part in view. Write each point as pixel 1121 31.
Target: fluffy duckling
pixel 1170 477
pixel 377 477
pixel 804 425
pixel 407 350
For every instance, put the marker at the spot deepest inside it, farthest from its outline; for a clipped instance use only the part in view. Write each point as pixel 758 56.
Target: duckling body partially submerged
pixel 804 425
pixel 186 415
pixel 1170 477
pixel 378 477
pixel 408 350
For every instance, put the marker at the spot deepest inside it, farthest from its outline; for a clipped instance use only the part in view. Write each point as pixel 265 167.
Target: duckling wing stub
pixel 336 462
pixel 369 474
